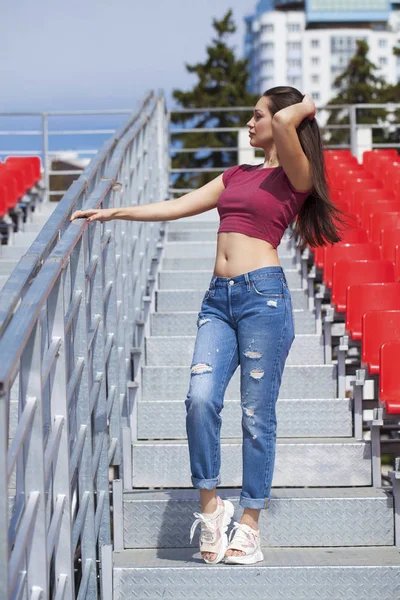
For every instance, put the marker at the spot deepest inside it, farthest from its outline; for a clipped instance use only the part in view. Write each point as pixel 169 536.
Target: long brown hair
pixel 319 221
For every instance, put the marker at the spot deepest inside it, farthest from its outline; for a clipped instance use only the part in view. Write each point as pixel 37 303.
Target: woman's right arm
pixel 193 203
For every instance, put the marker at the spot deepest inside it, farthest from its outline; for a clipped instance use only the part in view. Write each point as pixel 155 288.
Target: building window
pixel 294 45
pixel 294 62
pixel 382 43
pixel 293 27
pixel 267 63
pixel 265 81
pixel 315 60
pixel 315 96
pixel 294 81
pixel 267 46
pixel 315 78
pixel 268 28
pixel 383 61
pixel 314 43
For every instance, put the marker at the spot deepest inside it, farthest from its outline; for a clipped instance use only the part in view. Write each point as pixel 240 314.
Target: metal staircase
pixel 327 534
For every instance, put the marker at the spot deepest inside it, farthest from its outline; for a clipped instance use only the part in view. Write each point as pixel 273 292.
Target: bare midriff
pixel 238 253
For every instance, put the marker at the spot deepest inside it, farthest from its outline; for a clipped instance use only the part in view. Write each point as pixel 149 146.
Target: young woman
pixel 246 316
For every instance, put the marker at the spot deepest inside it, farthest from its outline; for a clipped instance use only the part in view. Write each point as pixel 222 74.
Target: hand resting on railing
pixel 94 214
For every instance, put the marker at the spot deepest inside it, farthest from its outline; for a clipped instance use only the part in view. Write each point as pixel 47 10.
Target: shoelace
pixel 206 533
pixel 242 535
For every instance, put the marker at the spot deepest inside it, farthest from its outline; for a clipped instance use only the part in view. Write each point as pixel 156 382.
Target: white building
pixel 306 44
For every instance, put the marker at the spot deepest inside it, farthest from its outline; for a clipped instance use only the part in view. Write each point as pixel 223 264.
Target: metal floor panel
pixel 172 383
pixel 185 322
pixel 328 462
pixel 191 299
pixel 208 262
pixel 302 417
pixel 285 574
pixel 176 279
pixel 296 517
pixel 200 249
pixel 177 350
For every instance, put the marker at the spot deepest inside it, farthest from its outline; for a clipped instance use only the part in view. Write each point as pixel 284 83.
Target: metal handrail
pixel 65 364
pixel 30 263
pixel 352 127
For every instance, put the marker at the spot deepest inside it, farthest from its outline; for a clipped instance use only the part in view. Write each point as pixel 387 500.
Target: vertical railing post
pixel 353 129
pixel 4 404
pixel 33 462
pixel 61 465
pixel 46 176
pixel 82 406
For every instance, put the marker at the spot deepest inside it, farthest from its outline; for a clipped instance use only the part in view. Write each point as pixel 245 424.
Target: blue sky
pixel 99 54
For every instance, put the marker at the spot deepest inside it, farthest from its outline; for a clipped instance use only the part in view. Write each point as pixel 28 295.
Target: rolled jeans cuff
pixel 206 484
pixel 255 503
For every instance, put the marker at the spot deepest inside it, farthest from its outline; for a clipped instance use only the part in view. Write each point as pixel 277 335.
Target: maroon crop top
pixel 259 202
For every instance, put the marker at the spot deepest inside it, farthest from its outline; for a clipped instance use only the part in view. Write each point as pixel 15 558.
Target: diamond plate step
pixel 329 462
pixel 200 249
pixel 296 418
pixel 178 350
pixel 172 383
pixel 296 517
pixel 208 262
pixel 208 233
pixel 185 322
pixel 191 299
pixel 371 573
pixel 200 279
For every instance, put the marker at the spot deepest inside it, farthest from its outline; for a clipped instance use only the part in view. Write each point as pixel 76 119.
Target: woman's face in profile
pixel 260 125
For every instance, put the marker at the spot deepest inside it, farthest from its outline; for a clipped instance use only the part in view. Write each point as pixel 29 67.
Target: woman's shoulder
pixel 229 173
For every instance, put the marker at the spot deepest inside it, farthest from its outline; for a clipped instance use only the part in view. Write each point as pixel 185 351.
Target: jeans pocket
pixel 206 296
pixel 268 287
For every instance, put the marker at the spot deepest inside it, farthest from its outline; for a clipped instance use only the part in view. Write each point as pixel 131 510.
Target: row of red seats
pixel 17 176
pixel 362 272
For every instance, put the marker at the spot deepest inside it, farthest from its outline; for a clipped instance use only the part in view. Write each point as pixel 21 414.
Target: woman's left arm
pixel 291 155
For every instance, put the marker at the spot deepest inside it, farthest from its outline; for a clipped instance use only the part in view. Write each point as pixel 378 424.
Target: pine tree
pixel 222 82
pixel 392 94
pixel 357 84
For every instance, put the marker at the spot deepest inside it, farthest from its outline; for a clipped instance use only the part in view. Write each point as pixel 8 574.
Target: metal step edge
pixel 165 419
pixel 284 574
pixel 308 381
pixel 295 441
pixel 283 494
pixel 177 350
pixel 153 558
pixel 297 517
pixel 300 462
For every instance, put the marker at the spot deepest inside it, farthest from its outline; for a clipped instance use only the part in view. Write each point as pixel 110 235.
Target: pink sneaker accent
pixel 213 536
pixel 247 540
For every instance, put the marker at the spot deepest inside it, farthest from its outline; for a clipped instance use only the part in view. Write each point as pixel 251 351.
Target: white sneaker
pixel 213 536
pixel 247 540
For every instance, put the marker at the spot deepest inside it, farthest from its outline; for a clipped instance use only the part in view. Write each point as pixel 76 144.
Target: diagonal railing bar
pixel 66 361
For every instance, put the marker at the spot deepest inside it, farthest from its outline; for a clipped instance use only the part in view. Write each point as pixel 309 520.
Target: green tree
pixel 392 94
pixel 357 84
pixel 222 82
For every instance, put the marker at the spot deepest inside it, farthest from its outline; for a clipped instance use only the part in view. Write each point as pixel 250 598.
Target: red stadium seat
pixel 31 165
pixel 390 238
pixel 382 220
pixel 347 272
pixel 354 251
pixel 369 157
pixel 369 296
pixel 364 190
pixel 378 326
pixel 9 182
pixel 3 201
pixel 389 381
pixel 374 206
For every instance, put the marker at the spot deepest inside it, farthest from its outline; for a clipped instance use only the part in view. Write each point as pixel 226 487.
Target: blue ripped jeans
pixel 244 320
